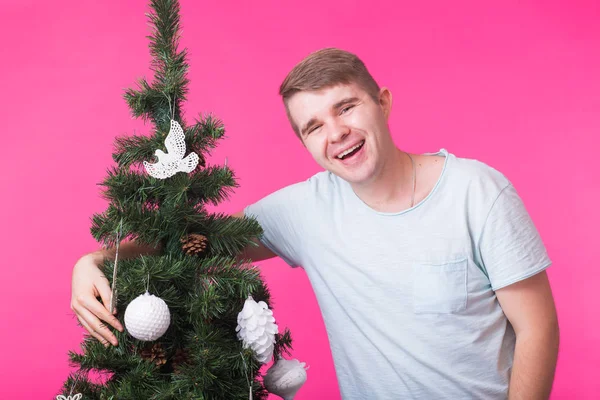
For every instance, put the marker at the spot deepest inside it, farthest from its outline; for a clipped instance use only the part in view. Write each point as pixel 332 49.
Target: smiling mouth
pixel 350 152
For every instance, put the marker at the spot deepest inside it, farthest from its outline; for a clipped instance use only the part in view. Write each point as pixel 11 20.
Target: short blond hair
pixel 323 69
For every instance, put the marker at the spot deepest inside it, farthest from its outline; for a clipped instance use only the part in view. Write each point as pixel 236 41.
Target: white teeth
pixel 350 150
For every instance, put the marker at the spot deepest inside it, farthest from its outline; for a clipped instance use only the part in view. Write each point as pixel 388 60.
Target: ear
pixel 385 101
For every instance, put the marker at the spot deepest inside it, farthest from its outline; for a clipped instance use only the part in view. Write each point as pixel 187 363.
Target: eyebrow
pixel 342 103
pixel 336 106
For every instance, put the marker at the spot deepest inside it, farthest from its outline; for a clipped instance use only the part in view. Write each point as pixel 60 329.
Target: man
pixel 427 268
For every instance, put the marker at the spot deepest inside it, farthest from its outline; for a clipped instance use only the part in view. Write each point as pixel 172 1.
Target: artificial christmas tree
pixel 190 349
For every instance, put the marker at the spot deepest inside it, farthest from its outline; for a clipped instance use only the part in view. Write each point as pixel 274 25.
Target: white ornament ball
pixel 285 378
pixel 257 329
pixel 147 317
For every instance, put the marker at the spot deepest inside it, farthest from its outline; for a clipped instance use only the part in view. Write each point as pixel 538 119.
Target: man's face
pixel 344 129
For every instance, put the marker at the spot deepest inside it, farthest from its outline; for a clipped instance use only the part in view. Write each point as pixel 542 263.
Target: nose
pixel 338 130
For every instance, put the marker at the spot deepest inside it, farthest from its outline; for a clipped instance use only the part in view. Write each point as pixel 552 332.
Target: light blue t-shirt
pixel 408 298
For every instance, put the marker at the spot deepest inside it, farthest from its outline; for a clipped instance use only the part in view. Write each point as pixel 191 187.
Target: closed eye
pixel 346 109
pixel 314 128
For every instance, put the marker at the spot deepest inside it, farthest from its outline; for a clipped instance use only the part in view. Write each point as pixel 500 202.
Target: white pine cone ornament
pixel 285 378
pixel 257 329
pixel 147 317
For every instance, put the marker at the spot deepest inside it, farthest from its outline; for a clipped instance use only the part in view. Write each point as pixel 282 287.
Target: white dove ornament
pixel 173 161
pixel 285 378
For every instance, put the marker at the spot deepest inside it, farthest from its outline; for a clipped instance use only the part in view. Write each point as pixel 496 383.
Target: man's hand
pixel 89 283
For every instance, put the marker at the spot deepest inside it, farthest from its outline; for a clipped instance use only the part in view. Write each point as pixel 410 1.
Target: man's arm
pixel 255 253
pixel 131 249
pixel 127 250
pixel 529 307
pixel 89 283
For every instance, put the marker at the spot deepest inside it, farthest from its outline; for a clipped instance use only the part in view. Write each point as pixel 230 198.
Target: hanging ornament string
pixel 113 295
pixel 247 377
pixel 171 105
pixel 69 397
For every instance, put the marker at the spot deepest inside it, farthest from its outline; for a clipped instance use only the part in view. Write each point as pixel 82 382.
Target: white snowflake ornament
pixel 147 317
pixel 256 328
pixel 285 378
pixel 69 397
pixel 172 162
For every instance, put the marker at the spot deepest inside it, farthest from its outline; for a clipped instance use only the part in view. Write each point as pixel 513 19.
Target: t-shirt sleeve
pixel 510 246
pixel 278 215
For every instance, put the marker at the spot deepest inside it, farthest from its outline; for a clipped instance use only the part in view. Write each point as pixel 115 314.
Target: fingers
pixel 96 327
pixel 105 293
pixel 92 332
pixel 92 305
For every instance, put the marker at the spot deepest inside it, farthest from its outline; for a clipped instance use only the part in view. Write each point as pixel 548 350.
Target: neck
pixel 392 188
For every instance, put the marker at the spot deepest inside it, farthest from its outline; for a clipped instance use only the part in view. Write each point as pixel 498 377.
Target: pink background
pixel 516 86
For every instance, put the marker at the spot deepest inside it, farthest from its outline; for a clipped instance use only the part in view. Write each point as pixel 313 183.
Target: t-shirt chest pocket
pixel 440 288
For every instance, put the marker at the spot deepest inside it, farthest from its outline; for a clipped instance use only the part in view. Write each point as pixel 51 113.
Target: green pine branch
pixel 161 101
pixel 208 185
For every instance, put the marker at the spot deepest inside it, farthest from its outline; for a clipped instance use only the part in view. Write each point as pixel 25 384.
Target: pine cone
pixel 154 353
pixel 257 329
pixel 194 243
pixel 180 358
